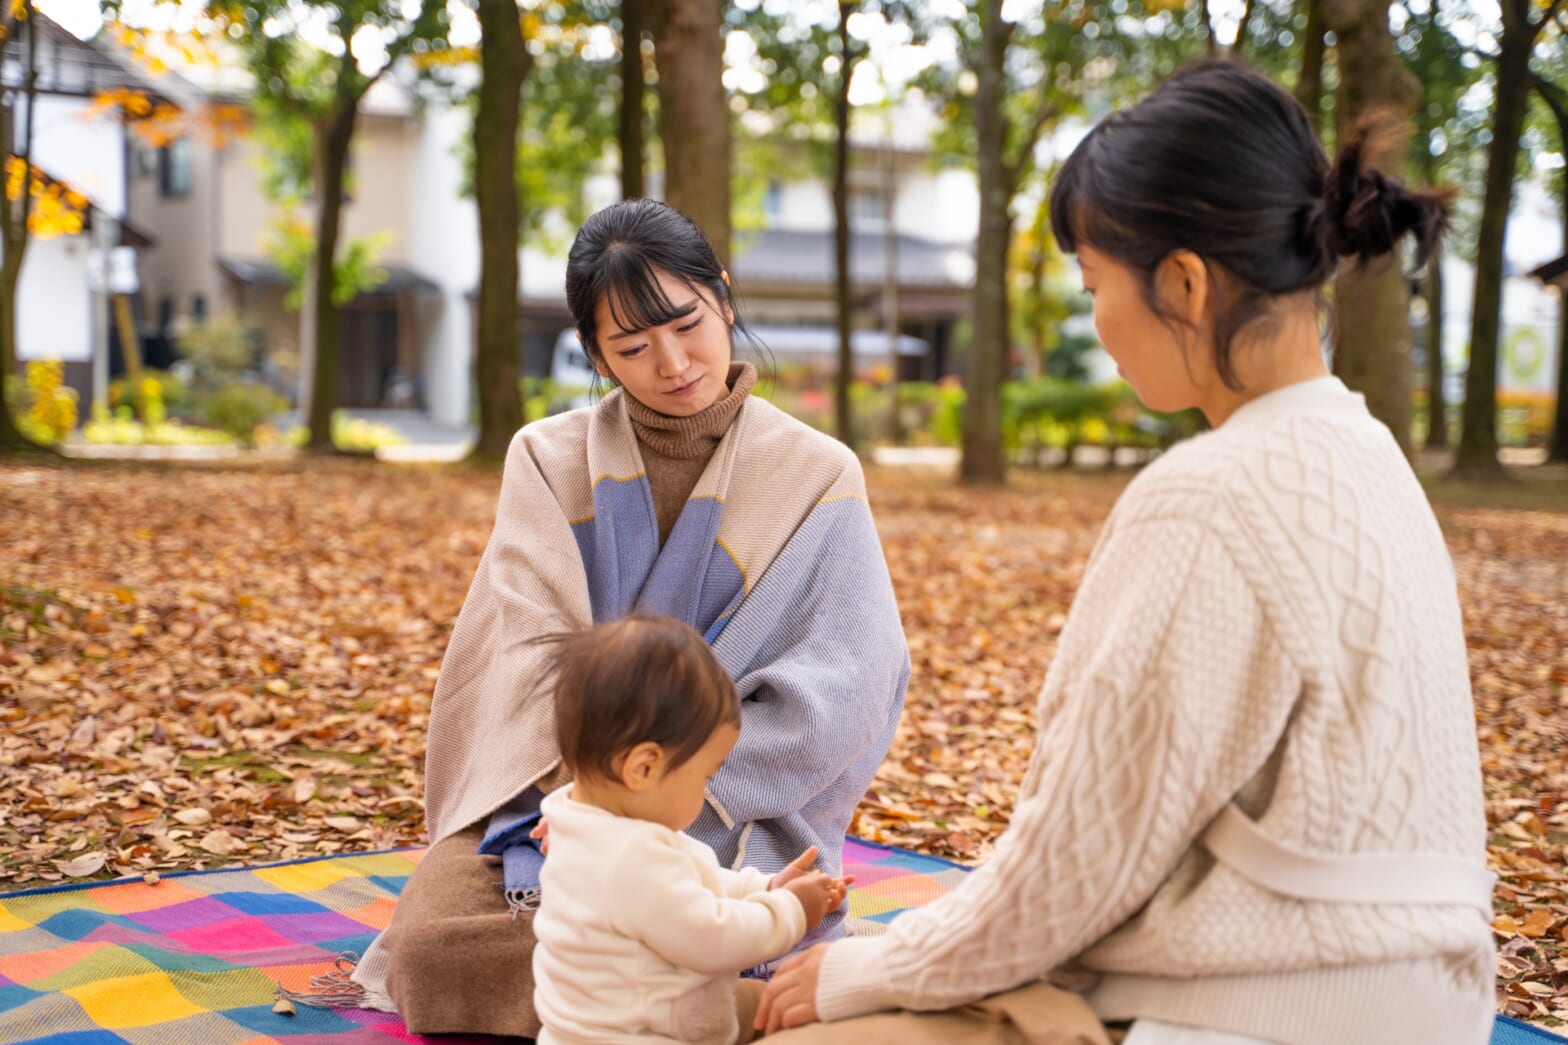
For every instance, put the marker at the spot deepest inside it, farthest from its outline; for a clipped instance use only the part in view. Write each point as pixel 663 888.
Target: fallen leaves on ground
pixel 201 667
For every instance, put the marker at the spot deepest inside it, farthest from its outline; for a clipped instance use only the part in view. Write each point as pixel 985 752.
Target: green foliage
pixel 239 409
pixel 218 352
pixel 544 396
pixel 173 394
pixel 43 408
pixel 121 428
pixel 292 245
pixel 350 434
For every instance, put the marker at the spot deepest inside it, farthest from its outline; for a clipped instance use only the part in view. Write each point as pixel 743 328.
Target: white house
pixel 63 310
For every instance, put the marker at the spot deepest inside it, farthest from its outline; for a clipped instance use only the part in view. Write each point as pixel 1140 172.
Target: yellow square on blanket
pixel 133 1001
pixel 306 877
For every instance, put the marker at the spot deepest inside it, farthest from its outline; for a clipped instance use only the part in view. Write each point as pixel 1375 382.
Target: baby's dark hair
pixel 1223 162
pixel 638 679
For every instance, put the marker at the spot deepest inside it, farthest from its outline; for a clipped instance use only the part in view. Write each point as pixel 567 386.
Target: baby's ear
pixel 639 767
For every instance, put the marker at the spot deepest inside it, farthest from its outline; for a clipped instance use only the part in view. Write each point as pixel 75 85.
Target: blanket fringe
pixel 520 900
pixel 332 990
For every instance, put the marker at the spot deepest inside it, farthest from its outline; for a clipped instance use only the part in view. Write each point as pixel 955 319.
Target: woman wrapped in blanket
pixel 677 494
pixel 1254 812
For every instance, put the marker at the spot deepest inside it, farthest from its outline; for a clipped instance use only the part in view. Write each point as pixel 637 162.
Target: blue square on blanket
pixel 271 903
pixel 77 1037
pixel 262 1020
pixel 78 925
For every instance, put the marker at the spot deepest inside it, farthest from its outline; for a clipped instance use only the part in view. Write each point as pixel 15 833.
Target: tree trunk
pixel 982 460
pixel 842 421
pixel 1557 447
pixel 504 64
pixel 694 121
pixel 332 143
pixel 1373 355
pixel 11 438
pixel 1211 46
pixel 14 216
pixel 1476 456
pixel 633 89
pixel 1309 87
pixel 1557 443
pixel 1436 396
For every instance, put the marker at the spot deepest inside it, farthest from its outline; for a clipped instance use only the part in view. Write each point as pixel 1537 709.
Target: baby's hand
pixel 541 834
pixel 799 866
pixel 817 893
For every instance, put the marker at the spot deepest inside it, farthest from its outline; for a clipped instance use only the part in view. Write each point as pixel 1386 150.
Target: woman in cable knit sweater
pixel 1254 812
pixel 678 494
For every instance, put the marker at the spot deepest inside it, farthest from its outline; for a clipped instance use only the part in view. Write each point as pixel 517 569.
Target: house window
pixel 867 207
pixel 174 169
pixel 772 200
pixel 199 308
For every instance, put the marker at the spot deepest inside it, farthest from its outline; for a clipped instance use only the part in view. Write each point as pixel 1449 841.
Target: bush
pixel 44 409
pixel 166 388
pixel 121 428
pixel 218 353
pixel 349 434
pixel 239 409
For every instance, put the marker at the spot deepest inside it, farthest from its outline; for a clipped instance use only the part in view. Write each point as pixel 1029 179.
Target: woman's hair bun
pixel 1363 212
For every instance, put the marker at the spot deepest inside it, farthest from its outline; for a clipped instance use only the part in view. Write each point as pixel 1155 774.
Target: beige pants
pixel 1038 1014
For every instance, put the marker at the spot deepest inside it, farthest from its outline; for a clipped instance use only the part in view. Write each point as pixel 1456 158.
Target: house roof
pixel 71 65
pixel 806 258
pixel 1554 273
pixel 259 272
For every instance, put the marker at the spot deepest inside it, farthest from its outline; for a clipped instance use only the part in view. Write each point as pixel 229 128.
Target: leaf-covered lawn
pixel 206 666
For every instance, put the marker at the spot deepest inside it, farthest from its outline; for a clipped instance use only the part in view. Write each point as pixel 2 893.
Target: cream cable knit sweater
pixel 1270 617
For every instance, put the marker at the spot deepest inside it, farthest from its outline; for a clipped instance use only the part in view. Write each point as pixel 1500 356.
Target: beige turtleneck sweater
pixel 675 450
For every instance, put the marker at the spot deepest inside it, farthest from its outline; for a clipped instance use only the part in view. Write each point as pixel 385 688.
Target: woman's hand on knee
pixel 790 999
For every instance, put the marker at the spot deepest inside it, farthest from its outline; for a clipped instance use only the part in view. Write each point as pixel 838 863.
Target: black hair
pixel 614 258
pixel 643 678
pixel 1223 162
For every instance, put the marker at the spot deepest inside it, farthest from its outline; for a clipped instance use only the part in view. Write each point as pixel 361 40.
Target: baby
pixel 641 933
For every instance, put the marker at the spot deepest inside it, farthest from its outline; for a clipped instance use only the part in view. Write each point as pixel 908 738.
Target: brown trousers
pixel 457 961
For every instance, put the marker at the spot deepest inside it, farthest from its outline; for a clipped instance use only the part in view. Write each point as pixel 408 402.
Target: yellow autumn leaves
pixel 158 122
pixel 57 210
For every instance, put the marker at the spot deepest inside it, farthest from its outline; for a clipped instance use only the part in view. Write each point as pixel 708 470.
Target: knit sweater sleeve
pixel 1165 697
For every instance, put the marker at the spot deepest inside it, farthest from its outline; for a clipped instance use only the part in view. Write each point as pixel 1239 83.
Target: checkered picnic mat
pixel 194 959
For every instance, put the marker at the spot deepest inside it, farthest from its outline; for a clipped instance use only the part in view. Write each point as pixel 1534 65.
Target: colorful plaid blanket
pixel 196 958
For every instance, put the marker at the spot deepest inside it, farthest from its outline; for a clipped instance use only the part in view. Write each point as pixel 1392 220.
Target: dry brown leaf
pixel 219 842
pixel 84 866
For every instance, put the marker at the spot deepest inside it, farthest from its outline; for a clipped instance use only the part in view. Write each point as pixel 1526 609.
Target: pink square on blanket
pixel 232 936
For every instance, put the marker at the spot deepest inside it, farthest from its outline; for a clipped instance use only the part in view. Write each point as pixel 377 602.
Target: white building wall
pixel 443 246
pixel 54 320
pixel 87 154
pixel 941 205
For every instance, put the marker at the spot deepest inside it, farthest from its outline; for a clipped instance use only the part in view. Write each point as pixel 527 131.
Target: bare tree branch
pixel 1018 163
pixel 1239 47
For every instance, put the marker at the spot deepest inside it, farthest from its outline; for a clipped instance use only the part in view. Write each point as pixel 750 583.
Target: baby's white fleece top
pixel 633 917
